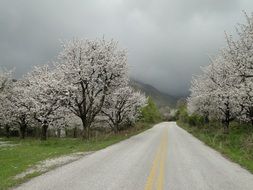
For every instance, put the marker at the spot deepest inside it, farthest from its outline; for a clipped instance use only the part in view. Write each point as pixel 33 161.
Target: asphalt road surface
pixel 164 157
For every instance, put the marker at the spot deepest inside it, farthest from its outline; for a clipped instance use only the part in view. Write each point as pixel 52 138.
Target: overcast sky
pixel 167 40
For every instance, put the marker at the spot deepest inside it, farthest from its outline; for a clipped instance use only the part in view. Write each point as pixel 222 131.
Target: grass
pixel 237 145
pixel 28 152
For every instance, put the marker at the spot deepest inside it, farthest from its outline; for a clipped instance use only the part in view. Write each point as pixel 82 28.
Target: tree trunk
pixel 227 119
pixel 206 119
pixel 7 130
pixel 226 127
pixel 58 133
pixel 44 132
pixel 115 131
pixel 22 130
pixel 88 132
pixel 86 129
pixel 22 127
pixel 116 128
pixel 75 132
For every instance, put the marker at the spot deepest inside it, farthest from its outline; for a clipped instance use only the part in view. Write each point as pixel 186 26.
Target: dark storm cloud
pixel 167 40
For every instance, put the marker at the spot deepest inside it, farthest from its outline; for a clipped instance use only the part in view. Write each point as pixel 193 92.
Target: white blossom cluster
pixel 88 81
pixel 224 90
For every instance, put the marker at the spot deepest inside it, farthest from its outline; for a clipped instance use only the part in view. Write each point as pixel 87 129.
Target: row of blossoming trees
pixel 224 90
pixel 88 81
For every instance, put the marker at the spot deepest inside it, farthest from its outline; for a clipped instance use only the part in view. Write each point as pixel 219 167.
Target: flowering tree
pixel 6 84
pixel 92 69
pixel 240 55
pixel 19 106
pixel 5 114
pixel 227 84
pixel 224 98
pixel 62 120
pixel 200 101
pixel 212 92
pixel 46 94
pixel 123 106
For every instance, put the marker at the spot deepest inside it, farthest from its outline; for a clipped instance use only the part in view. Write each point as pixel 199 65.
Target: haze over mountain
pixel 167 41
pixel 160 98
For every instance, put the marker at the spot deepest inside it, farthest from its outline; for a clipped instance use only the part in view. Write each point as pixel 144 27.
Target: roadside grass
pixel 237 145
pixel 16 159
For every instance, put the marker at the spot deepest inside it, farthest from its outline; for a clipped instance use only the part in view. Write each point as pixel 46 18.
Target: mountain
pixel 161 99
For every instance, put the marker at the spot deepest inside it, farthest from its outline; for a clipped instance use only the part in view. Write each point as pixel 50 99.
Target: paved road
pixel 164 157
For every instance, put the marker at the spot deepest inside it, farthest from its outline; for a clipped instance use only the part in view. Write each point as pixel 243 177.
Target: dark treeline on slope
pixel 165 102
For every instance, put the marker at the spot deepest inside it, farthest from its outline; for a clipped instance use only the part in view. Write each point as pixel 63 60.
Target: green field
pixel 237 145
pixel 28 152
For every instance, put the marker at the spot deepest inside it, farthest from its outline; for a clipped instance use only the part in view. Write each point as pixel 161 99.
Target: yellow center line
pixel 150 180
pixel 158 165
pixel 160 180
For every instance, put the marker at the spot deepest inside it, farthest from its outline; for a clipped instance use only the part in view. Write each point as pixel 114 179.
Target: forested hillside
pixel 161 99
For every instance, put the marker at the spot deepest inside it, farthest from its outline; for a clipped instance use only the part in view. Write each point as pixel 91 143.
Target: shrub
pixel 150 113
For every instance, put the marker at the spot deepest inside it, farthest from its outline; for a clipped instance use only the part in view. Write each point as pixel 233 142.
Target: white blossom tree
pixel 123 106
pixel 200 101
pixel 213 92
pixel 240 55
pixel 6 114
pixel 224 98
pixel 45 92
pixel 229 83
pixel 6 85
pixel 92 69
pixel 61 122
pixel 19 106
